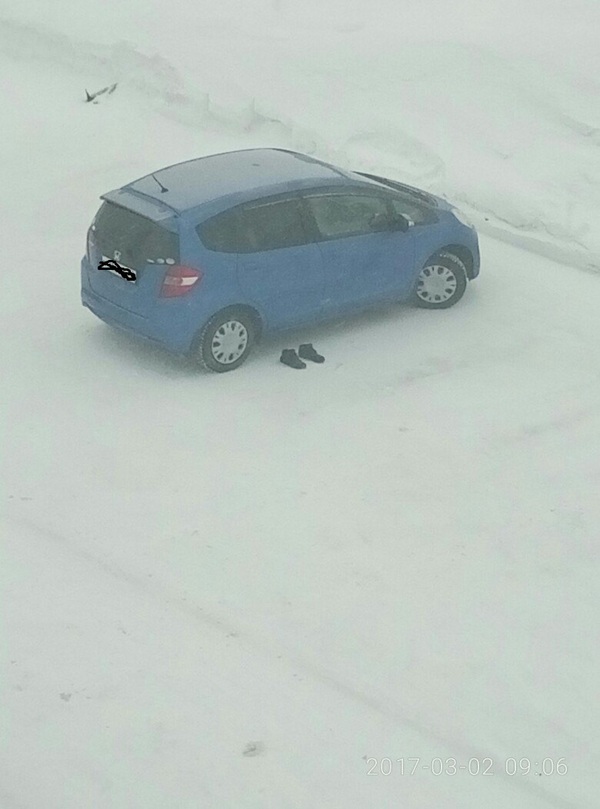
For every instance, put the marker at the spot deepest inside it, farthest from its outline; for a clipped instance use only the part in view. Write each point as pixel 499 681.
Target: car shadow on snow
pixel 138 353
pixel 346 331
pixel 348 328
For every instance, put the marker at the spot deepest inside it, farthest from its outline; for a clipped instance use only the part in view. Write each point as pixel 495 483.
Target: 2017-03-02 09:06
pixel 474 766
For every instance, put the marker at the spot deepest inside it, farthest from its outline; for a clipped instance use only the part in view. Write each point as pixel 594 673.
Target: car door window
pixel 338 215
pixel 274 225
pixel 256 227
pixel 411 210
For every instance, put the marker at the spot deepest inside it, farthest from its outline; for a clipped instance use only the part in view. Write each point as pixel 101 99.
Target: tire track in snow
pixel 259 645
pixel 559 424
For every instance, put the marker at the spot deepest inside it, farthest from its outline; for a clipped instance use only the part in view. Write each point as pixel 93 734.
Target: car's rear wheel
pixel 441 283
pixel 227 340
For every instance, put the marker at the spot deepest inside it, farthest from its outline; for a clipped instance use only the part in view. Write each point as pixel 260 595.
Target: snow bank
pixel 490 106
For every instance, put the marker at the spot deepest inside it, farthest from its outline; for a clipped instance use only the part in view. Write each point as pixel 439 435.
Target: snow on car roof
pixel 205 179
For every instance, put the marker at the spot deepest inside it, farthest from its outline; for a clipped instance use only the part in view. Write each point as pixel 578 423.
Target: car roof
pixel 246 173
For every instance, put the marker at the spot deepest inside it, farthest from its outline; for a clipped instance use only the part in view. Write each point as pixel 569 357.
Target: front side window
pixel 411 210
pixel 256 227
pixel 338 215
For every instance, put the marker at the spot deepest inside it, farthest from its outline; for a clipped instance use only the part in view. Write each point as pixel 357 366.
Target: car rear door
pixel 279 267
pixel 365 258
pixel 136 242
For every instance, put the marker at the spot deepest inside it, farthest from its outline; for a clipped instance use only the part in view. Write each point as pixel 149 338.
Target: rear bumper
pixel 172 328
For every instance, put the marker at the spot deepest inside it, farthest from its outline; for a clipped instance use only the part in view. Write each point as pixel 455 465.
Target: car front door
pixel 279 266
pixel 366 257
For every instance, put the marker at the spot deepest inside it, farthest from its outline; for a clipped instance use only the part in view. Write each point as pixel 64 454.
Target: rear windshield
pixel 136 238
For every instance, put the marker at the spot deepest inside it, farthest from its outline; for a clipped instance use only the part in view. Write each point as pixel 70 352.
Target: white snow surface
pixel 240 591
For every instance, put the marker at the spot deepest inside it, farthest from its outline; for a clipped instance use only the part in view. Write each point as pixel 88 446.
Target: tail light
pixel 90 243
pixel 179 281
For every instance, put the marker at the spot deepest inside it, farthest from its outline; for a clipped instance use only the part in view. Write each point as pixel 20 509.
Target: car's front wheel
pixel 226 341
pixel 441 283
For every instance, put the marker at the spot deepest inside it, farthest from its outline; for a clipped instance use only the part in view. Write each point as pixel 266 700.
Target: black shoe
pixel 289 357
pixel 307 352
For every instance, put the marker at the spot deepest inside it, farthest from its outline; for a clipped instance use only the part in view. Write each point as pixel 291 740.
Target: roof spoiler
pixel 147 206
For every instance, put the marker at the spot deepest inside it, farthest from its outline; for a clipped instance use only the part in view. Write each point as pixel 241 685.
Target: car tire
pixel 441 283
pixel 226 341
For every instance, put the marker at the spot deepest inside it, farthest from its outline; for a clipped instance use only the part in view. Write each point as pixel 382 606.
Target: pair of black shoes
pixel 305 352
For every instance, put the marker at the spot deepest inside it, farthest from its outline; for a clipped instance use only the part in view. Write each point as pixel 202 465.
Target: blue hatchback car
pixel 206 255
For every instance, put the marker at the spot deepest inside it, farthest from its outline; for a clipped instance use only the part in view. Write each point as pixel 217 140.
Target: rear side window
pixel 338 215
pixel 136 238
pixel 255 227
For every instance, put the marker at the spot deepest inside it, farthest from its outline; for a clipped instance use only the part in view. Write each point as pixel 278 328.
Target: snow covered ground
pixel 242 590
